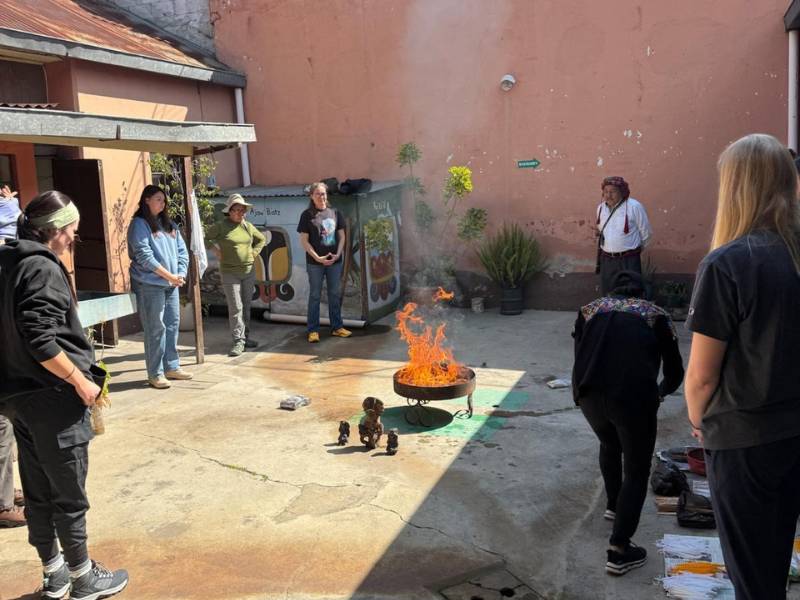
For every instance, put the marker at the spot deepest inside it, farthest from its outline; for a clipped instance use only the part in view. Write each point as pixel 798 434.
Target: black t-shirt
pixel 747 293
pixel 321 227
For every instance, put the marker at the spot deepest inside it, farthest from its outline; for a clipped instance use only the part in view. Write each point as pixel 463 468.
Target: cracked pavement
pixel 211 483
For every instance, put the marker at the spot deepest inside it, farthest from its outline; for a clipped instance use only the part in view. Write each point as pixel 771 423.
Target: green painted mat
pixel 444 423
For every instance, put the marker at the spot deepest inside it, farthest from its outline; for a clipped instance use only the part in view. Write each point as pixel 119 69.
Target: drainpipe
pixel 243 149
pixel 794 49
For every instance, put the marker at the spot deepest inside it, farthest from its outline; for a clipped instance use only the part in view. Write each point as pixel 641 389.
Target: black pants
pixel 625 422
pixel 611 265
pixel 53 432
pixel 756 497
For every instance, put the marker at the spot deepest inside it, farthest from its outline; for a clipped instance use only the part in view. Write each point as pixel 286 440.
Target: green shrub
pixel 511 256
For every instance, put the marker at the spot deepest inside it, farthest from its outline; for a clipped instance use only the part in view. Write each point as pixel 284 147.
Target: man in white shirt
pixel 624 231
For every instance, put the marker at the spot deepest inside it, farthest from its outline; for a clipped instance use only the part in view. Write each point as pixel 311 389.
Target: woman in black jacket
pixel 46 366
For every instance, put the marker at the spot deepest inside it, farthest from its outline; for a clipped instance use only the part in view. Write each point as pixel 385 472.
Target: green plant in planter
pixel 437 266
pixel 674 294
pixel 185 300
pixel 511 257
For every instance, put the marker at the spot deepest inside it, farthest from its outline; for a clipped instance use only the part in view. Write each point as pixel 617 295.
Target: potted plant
pixel 674 297
pixel 674 294
pixel 436 267
pixel 186 313
pixel 511 257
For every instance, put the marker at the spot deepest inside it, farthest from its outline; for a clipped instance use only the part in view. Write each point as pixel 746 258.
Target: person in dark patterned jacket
pixel 621 342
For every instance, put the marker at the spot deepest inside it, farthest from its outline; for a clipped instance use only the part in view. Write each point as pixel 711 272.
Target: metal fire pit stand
pixel 418 397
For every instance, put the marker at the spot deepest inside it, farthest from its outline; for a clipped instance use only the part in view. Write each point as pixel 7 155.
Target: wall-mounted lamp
pixel 507 82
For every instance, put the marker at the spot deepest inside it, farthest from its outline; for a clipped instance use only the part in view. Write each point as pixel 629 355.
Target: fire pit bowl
pixel 417 396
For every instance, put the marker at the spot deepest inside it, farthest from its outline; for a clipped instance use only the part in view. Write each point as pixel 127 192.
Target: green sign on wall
pixel 528 164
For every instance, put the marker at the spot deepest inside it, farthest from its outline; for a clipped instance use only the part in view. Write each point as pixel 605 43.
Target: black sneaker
pixel 97 583
pixel 620 563
pixel 56 585
pixel 248 343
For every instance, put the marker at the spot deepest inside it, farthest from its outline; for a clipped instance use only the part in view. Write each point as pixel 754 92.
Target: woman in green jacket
pixel 238 243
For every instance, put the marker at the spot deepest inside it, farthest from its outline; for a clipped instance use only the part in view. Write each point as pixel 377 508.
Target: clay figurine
pixel 344 432
pixel 391 442
pixel 370 428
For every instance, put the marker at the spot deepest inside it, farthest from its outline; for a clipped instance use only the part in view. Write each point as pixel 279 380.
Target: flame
pixel 430 363
pixel 441 294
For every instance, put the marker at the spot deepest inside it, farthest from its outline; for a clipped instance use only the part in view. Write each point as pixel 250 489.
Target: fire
pixel 430 362
pixel 441 294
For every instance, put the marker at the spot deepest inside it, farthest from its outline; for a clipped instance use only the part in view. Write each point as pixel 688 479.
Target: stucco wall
pixel 61 84
pixel 113 91
pixel 652 91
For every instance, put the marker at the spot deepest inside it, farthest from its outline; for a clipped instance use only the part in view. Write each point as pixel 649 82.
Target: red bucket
pixel 697 461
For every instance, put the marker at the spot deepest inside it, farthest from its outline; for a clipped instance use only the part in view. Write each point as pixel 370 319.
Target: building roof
pixel 28 104
pixel 65 128
pixel 791 19
pixel 89 31
pixel 277 191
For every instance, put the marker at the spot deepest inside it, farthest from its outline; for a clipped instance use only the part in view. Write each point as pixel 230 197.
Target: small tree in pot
pixel 511 257
pixel 437 264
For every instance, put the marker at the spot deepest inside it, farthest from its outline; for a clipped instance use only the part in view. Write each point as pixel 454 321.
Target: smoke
pixel 451 84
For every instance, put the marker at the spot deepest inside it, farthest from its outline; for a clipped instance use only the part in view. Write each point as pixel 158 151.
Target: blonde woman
pixel 743 384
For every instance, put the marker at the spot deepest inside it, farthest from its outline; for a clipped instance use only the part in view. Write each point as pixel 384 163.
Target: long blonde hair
pixel 757 190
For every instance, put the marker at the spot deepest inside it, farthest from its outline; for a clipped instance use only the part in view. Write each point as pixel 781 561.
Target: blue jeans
pixel 333 276
pixel 159 311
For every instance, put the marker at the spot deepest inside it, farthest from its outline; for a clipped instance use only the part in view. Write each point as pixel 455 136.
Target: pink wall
pixel 651 91
pixel 111 90
pixel 61 84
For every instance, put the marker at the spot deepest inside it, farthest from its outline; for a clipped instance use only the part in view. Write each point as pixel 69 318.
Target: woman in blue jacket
pixel 159 261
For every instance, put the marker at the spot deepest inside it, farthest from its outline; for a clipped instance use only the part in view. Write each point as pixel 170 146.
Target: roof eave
pixel 791 19
pixel 65 128
pixel 29 42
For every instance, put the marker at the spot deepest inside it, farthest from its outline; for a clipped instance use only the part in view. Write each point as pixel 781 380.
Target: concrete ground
pixel 209 490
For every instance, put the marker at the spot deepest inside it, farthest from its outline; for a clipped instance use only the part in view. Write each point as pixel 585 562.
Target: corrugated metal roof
pixel 263 191
pixel 85 22
pixel 274 191
pixel 50 105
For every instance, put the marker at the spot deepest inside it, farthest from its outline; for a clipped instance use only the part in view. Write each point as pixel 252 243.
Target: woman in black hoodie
pixel 46 367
